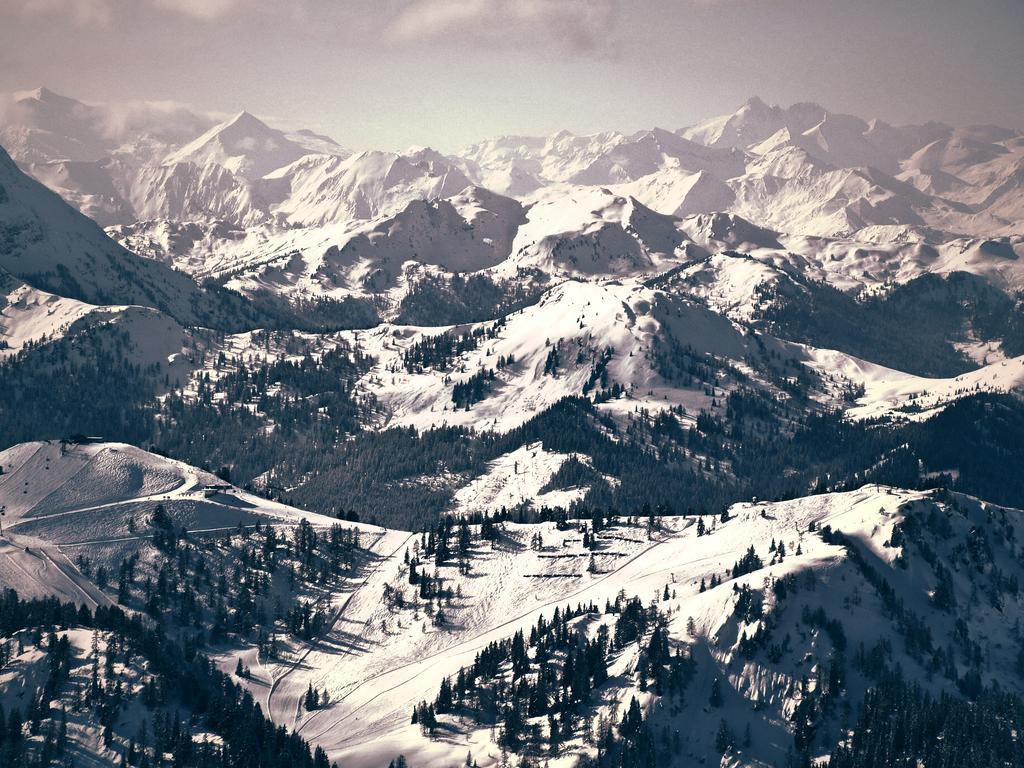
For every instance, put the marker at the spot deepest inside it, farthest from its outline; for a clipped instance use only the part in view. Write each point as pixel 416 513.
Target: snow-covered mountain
pixel 243 144
pixel 40 126
pixel 320 190
pixel 754 122
pixel 801 170
pixel 122 164
pixel 733 210
pixel 49 245
pixel 190 192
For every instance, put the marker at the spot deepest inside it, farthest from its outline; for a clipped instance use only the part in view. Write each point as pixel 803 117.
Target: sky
pixel 390 74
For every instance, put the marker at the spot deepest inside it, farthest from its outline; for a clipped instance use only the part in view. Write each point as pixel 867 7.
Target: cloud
pixel 100 13
pixel 83 12
pixel 574 26
pixel 580 26
pixel 167 119
pixel 204 10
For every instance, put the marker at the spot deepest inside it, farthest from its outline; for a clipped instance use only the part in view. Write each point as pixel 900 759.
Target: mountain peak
pixel 42 93
pixel 245 120
pixel 663 134
pixel 243 144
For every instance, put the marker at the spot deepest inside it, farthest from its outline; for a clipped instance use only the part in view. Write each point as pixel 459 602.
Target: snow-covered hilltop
pixel 746 636
pixel 59 497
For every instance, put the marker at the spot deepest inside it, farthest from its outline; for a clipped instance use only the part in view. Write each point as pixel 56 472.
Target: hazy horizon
pixel 432 72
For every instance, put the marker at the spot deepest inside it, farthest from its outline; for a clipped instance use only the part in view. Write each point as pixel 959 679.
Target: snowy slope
pixel 727 282
pixel 323 189
pixel 60 498
pixel 191 192
pixel 243 144
pixel 398 657
pixel 87 186
pixel 600 159
pixel 577 321
pixel 518 478
pixel 681 193
pixel 28 315
pixel 54 248
pixel 889 393
pixel 838 140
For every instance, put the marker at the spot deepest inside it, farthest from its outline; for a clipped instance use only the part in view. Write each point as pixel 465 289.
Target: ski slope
pixel 519 478
pixel 375 663
pixel 60 499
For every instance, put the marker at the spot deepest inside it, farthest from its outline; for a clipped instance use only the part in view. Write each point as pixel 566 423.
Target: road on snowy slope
pixel 184 490
pixel 386 682
pixel 290 697
pixel 61 563
pixel 191 532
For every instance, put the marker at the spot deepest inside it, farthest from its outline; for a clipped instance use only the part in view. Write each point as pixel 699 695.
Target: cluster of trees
pixel 632 744
pixel 84 385
pixel 441 350
pixel 441 300
pixel 912 326
pixel 573 473
pixel 900 724
pixel 37 709
pixel 315 314
pixel 227 584
pixel 682 365
pixel 474 389
pixel 551 674
pixel 599 371
pixel 453 537
pixel 176 679
pixel 315 699
pixel 312 403
pixel 552 361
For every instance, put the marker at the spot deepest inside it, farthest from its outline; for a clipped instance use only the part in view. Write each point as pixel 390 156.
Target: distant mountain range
pixel 800 169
